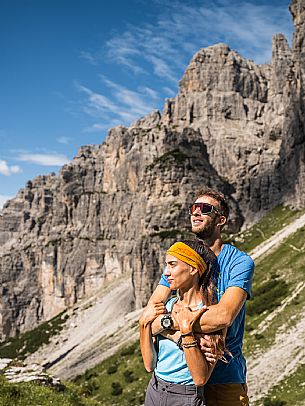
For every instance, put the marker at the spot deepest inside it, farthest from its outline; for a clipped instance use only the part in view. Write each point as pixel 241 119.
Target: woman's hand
pixel 151 312
pixel 186 318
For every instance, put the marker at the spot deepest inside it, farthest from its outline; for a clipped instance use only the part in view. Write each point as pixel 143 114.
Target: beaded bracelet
pixel 190 333
pixel 190 344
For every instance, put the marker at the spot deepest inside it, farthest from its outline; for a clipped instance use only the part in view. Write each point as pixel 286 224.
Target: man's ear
pixel 222 221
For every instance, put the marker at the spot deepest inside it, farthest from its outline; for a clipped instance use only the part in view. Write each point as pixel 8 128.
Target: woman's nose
pixel 166 271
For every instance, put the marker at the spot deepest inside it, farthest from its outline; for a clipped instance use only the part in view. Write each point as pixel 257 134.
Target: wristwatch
pixel 166 321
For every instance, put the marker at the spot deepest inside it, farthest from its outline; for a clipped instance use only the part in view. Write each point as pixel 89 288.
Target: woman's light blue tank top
pixel 171 364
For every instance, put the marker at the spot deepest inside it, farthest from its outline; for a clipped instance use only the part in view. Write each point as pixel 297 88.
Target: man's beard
pixel 206 232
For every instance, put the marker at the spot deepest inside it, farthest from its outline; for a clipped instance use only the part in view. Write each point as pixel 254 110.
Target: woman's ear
pixel 193 271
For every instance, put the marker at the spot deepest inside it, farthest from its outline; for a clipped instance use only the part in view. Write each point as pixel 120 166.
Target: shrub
pixel 93 385
pixel 116 388
pixel 90 374
pixel 128 351
pixel 275 402
pixel 267 297
pixel 128 375
pixel 170 158
pixel 112 369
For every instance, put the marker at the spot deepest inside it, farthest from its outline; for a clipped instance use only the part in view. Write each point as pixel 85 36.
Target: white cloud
pixel 43 159
pixel 161 68
pixel 7 170
pixel 122 49
pixel 134 100
pixel 153 94
pixel 98 127
pixel 97 103
pixel 124 107
pixel 169 92
pixel 185 27
pixel 63 140
pixel 3 199
pixel 89 57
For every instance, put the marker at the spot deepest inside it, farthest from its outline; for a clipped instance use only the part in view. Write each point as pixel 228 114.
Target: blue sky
pixel 72 69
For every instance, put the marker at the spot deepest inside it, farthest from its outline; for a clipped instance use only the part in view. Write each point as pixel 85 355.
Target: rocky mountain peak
pixel 297 9
pixel 219 69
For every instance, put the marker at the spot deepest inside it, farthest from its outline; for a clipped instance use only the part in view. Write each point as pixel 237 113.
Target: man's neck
pixel 216 246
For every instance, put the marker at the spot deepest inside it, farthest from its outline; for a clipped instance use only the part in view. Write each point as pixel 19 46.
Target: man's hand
pixel 207 348
pixel 151 312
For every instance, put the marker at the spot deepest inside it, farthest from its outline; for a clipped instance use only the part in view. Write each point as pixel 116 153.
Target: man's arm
pixel 215 318
pixel 160 294
pixel 222 314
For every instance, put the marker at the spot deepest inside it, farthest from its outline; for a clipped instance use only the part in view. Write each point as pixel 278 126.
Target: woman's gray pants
pixel 162 393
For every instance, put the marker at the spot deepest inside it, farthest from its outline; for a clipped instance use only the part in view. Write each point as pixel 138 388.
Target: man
pixel 209 214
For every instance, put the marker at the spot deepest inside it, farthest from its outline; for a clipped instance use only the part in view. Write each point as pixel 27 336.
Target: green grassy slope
pixel 288 392
pixel 276 277
pixel 269 225
pixel 33 394
pixel 119 380
pixel 22 345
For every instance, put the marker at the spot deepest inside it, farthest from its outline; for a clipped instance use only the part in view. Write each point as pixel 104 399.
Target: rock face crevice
pixel 234 126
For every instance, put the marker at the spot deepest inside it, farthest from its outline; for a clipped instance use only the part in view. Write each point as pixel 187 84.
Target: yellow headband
pixel 188 255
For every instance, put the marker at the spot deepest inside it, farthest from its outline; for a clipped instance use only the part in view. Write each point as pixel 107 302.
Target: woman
pixel 180 368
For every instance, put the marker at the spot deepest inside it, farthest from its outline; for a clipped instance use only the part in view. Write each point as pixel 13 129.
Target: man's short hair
pixel 219 197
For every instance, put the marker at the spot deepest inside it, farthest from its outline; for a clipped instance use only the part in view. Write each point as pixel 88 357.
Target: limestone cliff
pixel 234 126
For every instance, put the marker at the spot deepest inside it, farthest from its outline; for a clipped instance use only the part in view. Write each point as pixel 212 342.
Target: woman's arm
pixel 148 351
pixel 199 367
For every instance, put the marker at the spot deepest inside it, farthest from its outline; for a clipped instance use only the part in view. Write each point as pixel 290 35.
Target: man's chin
pixel 202 234
pixel 197 230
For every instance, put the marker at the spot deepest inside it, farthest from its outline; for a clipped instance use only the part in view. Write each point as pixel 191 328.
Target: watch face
pixel 166 321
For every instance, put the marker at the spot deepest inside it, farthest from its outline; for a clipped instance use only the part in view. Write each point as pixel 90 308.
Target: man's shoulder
pixel 233 254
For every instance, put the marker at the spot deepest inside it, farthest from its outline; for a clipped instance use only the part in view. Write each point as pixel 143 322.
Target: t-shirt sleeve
pixel 241 274
pixel 163 281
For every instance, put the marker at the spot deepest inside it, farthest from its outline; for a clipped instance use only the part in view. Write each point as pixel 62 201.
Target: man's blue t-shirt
pixel 235 268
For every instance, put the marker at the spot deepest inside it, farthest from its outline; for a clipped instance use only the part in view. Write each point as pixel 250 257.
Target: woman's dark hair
pixel 208 284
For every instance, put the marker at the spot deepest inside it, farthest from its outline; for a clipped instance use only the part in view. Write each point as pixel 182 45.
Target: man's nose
pixel 197 212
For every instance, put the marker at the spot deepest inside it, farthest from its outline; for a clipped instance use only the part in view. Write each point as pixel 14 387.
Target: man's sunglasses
pixel 205 208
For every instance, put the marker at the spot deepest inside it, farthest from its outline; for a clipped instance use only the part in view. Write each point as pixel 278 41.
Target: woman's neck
pixel 191 297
